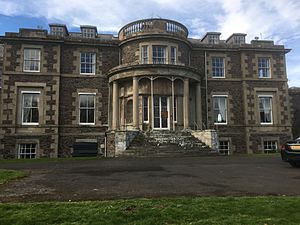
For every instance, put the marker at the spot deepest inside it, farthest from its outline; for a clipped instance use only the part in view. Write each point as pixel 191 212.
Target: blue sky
pixel 278 20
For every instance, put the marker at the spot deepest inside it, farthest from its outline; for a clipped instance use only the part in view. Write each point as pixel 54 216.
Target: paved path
pixel 152 177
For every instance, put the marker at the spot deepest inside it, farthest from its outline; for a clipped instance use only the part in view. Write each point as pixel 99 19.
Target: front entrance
pixel 161 112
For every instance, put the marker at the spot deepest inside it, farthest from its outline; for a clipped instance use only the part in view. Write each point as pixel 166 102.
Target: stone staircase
pixel 167 143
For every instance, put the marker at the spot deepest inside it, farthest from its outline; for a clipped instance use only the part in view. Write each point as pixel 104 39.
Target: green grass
pixel 7 175
pixel 228 210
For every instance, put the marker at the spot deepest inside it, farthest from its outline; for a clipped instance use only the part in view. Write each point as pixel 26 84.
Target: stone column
pixel 115 106
pixel 186 94
pixel 151 105
pixel 135 103
pixel 198 106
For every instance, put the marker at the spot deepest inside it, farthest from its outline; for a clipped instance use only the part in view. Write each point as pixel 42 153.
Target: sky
pixel 277 20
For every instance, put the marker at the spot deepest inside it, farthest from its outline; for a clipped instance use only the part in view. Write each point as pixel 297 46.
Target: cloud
pixel 277 19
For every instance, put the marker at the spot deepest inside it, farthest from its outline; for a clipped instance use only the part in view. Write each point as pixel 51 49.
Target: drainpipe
pixel 206 91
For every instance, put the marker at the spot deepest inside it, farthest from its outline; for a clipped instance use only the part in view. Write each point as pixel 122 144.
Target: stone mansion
pixel 61 88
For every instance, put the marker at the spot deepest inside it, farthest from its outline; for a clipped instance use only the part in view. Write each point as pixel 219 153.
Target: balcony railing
pixel 153 26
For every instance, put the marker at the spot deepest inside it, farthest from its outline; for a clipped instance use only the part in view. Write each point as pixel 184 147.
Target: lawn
pixel 7 175
pixel 183 210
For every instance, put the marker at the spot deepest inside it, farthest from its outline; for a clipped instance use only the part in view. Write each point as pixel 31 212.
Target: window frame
pixel 264 68
pixel 267 150
pixel 30 154
pixel 259 109
pixel 93 64
pixel 227 149
pixel 158 58
pixel 146 106
pixel 22 107
pixel 144 57
pixel 173 58
pixel 87 108
pixel 32 60
pixel 226 109
pixel 213 66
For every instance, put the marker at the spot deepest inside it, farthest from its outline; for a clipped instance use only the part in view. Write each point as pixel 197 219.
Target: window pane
pixel 87 108
pixel 32 59
pixel 220 109
pixel 218 67
pixel 265 107
pixel 88 62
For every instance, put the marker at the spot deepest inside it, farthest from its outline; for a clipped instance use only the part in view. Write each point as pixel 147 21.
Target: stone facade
pixel 151 77
pixel 294 94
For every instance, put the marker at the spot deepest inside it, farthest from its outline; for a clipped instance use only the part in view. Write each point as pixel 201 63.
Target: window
pixel 175 109
pixel 88 33
pixel 32 60
pixel 27 151
pixel 129 113
pixel 87 108
pixel 265 108
pixel 220 109
pixel 213 39
pixel 218 67
pixel 145 109
pixel 270 146
pixel 264 68
pixel 224 147
pixel 144 55
pixel 159 54
pixel 173 55
pixel 87 63
pixel 239 39
pixel 30 108
pixel 57 31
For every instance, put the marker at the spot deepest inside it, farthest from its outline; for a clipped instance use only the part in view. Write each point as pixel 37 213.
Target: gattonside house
pixel 152 86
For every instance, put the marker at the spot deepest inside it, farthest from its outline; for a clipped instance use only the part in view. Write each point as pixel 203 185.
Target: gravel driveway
pixel 111 178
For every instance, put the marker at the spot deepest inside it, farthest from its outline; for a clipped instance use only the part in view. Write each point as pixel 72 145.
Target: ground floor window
pixel 224 147
pixel 145 109
pixel 27 151
pixel 270 146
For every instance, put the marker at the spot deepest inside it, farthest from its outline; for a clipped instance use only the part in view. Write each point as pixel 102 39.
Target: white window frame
pixel 226 104
pixel 225 150
pixel 93 63
pixel 83 93
pixel 22 106
pixel 30 154
pixel 266 96
pixel 144 57
pixel 212 66
pixel 173 58
pixel 270 143
pixel 265 68
pixel 159 60
pixel 32 60
pixel 146 121
pixel 213 39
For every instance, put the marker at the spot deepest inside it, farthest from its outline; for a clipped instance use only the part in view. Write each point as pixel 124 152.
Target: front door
pixel 161 114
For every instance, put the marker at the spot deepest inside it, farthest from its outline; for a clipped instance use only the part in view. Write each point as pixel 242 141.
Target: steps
pixel 166 143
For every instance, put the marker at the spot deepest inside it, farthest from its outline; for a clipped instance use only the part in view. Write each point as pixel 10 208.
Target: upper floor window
pixel 218 67
pixel 239 39
pixel 87 63
pixel 213 39
pixel 144 55
pixel 158 54
pixel 173 55
pixel 88 33
pixel 265 109
pixel 87 108
pixel 30 108
pixel 57 31
pixel 27 151
pixel 220 109
pixel 264 67
pixel 32 60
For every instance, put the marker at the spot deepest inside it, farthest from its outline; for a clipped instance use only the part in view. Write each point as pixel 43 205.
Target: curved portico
pixel 154 87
